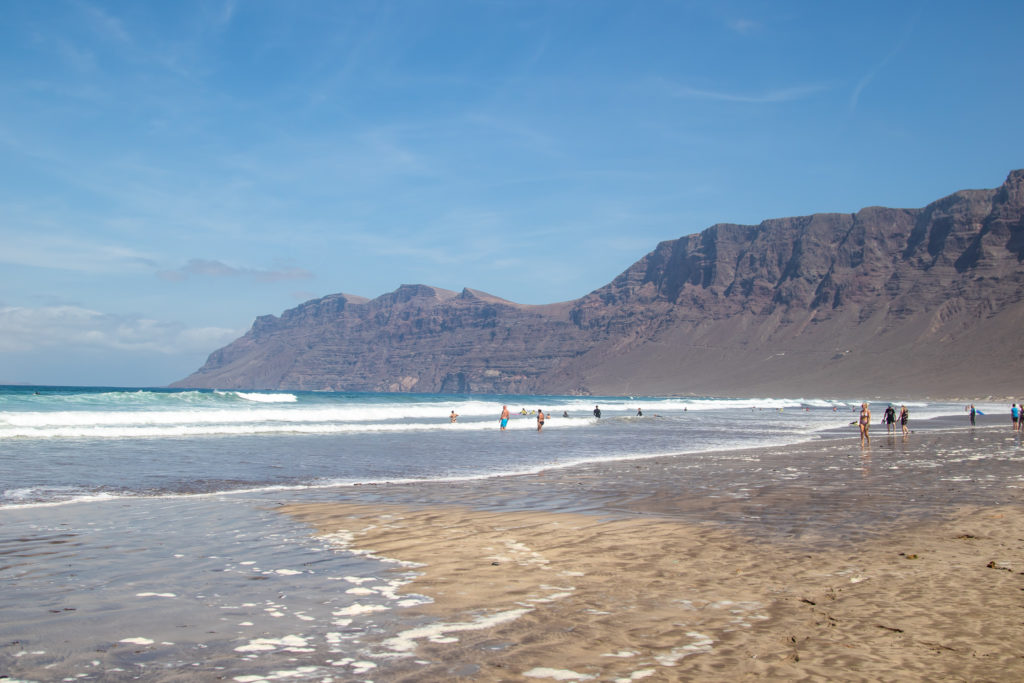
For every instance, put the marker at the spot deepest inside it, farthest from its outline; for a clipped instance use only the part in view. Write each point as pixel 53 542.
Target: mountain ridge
pixel 909 301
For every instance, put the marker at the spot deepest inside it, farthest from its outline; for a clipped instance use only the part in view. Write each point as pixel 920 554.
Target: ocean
pixel 61 444
pixel 139 537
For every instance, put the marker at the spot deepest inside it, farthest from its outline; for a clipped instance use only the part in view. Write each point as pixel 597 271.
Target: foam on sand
pixel 437 633
pixel 557 674
pixel 289 643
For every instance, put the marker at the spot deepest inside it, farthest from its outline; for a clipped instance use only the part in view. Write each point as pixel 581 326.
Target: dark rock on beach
pixel 924 302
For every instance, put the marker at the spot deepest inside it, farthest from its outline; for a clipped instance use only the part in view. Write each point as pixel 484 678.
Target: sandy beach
pixel 812 559
pixel 620 574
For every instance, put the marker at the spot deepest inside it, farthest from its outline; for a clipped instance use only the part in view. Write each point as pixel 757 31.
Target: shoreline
pixel 662 485
pixel 828 438
pixel 625 571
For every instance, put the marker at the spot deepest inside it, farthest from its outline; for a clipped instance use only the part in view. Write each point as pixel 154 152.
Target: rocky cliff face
pixel 913 301
pixel 416 338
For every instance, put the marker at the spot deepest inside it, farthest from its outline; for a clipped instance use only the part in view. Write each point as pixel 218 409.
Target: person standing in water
pixel 540 419
pixel 865 424
pixel 973 413
pixel 597 411
pixel 504 417
pixel 453 417
pixel 889 418
pixel 904 416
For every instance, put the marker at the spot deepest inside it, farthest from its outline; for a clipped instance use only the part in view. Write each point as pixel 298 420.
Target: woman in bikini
pixel 865 424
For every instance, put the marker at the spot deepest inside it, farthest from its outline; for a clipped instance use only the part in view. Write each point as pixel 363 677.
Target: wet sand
pixel 813 562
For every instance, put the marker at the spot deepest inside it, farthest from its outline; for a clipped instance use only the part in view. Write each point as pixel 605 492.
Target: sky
pixel 169 171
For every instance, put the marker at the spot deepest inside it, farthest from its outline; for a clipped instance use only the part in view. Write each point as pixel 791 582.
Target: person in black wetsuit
pixel 597 411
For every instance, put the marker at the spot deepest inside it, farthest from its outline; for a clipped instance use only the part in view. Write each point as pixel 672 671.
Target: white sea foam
pixel 150 414
pixel 268 644
pixel 557 674
pixel 406 640
pixel 302 673
pixel 355 579
pixel 168 425
pixel 262 398
pixel 358 609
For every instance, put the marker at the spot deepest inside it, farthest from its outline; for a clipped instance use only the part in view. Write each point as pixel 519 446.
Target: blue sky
pixel 171 170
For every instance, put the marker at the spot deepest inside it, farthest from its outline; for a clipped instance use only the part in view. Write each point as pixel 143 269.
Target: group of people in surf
pixel 541 417
pixel 1016 416
pixel 889 419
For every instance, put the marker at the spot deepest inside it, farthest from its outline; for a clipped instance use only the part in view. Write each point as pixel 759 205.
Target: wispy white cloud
pixel 213 268
pixel 743 26
pixel 29 245
pixel 774 96
pixel 227 12
pixel 105 23
pixel 390 247
pixel 385 146
pixel 514 130
pixel 33 248
pixel 78 58
pixel 866 80
pixel 25 329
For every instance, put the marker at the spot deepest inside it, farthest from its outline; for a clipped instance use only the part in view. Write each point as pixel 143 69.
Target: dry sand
pixel 666 600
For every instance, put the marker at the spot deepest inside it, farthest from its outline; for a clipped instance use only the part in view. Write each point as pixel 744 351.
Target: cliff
pixel 884 301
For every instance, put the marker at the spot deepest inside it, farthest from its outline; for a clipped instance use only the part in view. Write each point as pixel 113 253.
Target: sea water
pixel 139 538
pixel 60 444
